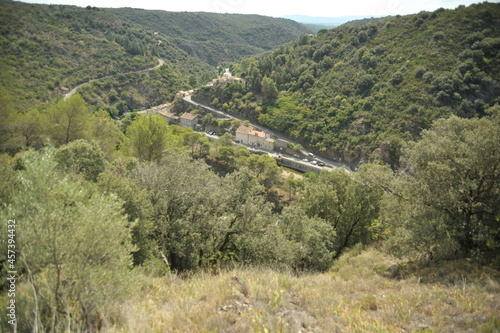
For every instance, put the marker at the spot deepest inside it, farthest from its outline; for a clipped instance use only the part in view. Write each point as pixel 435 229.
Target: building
pixel 250 137
pixel 189 120
pixel 184 93
pixel 155 109
pixel 281 145
pixel 226 79
pixel 169 117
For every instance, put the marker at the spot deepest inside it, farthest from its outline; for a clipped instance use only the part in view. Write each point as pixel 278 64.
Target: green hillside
pixel 138 225
pixel 44 48
pixel 217 38
pixel 357 92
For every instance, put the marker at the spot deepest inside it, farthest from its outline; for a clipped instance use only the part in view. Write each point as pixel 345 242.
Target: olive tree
pixel 202 219
pixel 81 157
pixel 453 185
pixel 346 202
pixel 73 248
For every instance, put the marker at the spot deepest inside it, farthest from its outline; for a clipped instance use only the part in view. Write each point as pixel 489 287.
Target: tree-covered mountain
pixel 44 48
pixel 217 38
pixel 358 92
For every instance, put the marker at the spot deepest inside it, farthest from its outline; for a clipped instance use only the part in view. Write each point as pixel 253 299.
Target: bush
pixel 74 249
pixel 81 157
pixel 453 191
pixel 397 78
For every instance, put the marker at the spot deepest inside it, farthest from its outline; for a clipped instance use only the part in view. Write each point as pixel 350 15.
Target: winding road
pixel 73 91
pixel 189 100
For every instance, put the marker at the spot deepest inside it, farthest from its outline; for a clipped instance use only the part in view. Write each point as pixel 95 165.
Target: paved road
pixel 73 91
pixel 189 100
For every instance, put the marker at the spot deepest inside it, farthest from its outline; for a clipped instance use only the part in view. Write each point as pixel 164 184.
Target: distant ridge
pixel 326 22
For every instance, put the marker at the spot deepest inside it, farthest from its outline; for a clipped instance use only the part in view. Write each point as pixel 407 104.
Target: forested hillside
pixel 358 92
pixel 137 225
pixel 218 38
pixel 156 228
pixel 44 48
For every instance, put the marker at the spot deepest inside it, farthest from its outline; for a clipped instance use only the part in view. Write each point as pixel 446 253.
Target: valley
pixel 300 163
pixel 144 156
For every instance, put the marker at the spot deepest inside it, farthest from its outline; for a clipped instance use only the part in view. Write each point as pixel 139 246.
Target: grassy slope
pixel 353 297
pixel 217 38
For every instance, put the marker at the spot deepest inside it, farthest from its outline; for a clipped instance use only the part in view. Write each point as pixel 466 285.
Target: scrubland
pixel 366 291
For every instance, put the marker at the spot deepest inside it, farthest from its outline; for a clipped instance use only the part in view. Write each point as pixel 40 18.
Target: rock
pixel 392 272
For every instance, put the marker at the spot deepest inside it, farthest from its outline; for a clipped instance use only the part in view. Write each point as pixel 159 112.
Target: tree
pixel 193 82
pixel 81 157
pixel 263 168
pixel 312 239
pixel 297 148
pixel 201 219
pixel 206 77
pixel 345 202
pixel 147 138
pixel 69 120
pixel 29 128
pixel 235 124
pixel 209 120
pixel 455 185
pixel 225 141
pixel 73 251
pixel 180 191
pixel 192 140
pixel 106 132
pixel 118 179
pixel 269 89
pixel 7 115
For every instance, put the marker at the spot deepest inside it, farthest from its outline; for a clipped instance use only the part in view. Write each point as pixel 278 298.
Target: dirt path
pixel 73 91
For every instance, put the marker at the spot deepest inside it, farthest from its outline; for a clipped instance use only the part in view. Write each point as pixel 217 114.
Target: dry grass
pixel 353 297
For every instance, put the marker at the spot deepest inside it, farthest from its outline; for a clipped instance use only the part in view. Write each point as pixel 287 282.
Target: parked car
pixel 305 160
pixel 321 164
pixel 314 162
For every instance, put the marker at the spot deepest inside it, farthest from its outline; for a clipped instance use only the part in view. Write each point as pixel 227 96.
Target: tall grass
pixel 353 297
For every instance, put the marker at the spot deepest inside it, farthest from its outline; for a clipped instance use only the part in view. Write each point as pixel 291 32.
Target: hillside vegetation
pixel 135 225
pixel 44 48
pixel 218 38
pixel 118 229
pixel 358 92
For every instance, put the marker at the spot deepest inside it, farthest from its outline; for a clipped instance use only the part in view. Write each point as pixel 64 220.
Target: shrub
pixel 74 249
pixel 81 157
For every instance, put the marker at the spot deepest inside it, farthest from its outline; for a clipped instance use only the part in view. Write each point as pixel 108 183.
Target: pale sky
pixel 277 8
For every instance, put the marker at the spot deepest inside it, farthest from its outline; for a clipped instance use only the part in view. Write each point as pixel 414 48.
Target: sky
pixel 277 8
